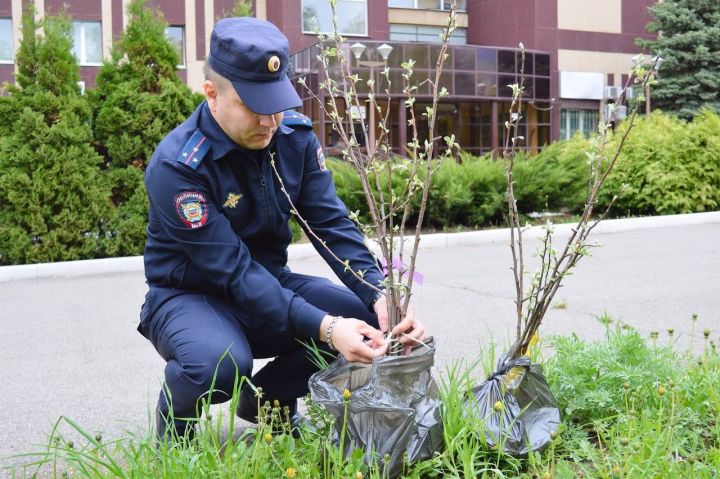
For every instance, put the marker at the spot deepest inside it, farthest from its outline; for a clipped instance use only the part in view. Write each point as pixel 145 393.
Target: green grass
pixel 630 407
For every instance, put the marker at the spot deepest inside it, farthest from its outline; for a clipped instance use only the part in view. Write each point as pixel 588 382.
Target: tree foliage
pixel 689 44
pixel 53 202
pixel 138 100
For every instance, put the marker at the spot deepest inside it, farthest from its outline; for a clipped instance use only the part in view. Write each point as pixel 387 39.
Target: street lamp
pixel 384 50
pixel 653 62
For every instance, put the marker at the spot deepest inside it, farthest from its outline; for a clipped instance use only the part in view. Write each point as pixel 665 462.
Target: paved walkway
pixel 68 345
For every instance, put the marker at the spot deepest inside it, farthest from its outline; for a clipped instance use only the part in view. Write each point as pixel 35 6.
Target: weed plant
pixel 631 409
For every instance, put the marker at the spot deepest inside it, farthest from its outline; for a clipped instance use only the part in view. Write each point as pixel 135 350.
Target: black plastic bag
pixel 393 410
pixel 520 412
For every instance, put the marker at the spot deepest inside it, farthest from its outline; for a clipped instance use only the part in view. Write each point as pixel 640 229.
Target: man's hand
pixel 410 331
pixel 348 337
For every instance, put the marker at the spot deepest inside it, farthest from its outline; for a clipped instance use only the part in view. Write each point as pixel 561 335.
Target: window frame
pixel 11 60
pixel 565 120
pixel 367 20
pixel 183 44
pixel 82 51
pixel 441 6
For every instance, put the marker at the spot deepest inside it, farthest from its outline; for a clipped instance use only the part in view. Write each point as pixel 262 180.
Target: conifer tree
pixel 689 43
pixel 53 202
pixel 138 100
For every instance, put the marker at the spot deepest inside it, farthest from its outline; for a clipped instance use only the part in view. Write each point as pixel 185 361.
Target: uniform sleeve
pixel 183 204
pixel 327 216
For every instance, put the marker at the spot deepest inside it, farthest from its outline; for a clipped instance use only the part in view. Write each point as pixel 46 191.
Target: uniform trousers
pixel 208 341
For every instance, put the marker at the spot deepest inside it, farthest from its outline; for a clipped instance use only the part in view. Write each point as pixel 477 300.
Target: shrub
pixel 555 179
pixel 670 166
pixel 54 204
pixel 138 100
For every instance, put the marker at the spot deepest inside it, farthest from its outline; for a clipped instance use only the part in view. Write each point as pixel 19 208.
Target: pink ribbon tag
pixel 402 268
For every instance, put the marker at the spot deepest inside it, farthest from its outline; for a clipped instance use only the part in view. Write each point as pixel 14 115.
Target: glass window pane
pixel 542 65
pixel 435 53
pixel 403 37
pixel 464 59
pixel 503 82
pixel 464 83
pixel 352 16
pixel 574 121
pixel 486 84
pixel 6 40
pixel 93 42
pixel 486 59
pixel 527 64
pixel 543 112
pixel 506 61
pixel 400 28
pixel 564 134
pixel 401 3
pixel 78 41
pixel 429 4
pixel 458 37
pixel 419 53
pixel 176 35
pixel 542 88
pixel 462 5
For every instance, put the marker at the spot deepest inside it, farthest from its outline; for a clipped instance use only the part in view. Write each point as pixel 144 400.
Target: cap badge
pixel 274 64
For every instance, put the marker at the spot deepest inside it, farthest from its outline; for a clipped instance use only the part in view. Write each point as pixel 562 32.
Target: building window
pixel 87 42
pixel 423 33
pixel 572 121
pixel 427 4
pixel 176 35
pixel 6 41
pixel 352 17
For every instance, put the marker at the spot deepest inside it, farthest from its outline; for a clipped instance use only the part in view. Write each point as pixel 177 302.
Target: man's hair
pixel 220 82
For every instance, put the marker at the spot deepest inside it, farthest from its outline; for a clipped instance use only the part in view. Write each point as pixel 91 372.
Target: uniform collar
pixel 221 143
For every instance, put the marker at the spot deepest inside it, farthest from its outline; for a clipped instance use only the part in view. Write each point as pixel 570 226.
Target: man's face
pixel 245 127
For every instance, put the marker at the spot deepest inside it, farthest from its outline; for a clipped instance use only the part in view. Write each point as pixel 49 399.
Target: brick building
pixel 575 48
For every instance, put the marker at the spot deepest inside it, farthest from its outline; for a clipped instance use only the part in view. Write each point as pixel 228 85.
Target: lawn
pixel 632 407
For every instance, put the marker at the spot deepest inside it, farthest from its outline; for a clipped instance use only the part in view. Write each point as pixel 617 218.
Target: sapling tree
pixel 533 299
pixel 393 205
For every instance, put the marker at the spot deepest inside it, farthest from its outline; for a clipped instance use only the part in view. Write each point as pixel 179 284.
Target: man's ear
pixel 210 92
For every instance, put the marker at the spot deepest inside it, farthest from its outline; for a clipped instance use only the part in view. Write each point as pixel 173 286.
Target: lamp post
pixel 384 50
pixel 654 63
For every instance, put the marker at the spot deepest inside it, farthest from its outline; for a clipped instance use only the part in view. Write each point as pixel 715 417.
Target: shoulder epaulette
pixel 194 150
pixel 296 120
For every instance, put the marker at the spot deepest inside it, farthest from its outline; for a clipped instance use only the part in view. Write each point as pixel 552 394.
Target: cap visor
pixel 268 98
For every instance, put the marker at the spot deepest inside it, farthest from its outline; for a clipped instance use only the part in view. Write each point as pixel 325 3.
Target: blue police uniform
pixel 220 291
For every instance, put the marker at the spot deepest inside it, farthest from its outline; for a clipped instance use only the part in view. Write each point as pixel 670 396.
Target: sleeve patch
pixel 192 208
pixel 194 150
pixel 321 159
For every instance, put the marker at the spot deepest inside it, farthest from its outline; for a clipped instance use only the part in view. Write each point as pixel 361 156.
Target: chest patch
pixel 192 208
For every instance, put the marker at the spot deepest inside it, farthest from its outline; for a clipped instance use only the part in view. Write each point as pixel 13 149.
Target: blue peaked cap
pixel 253 55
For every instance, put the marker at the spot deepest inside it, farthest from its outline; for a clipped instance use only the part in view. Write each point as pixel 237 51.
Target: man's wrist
pixel 376 297
pixel 327 328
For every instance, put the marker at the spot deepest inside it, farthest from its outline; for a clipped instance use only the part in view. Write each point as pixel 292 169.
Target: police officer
pixel 220 291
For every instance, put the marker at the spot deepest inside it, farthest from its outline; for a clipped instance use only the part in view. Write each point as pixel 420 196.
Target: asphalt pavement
pixel 68 345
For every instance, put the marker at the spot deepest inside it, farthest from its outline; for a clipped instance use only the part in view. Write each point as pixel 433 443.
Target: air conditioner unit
pixel 615 112
pixel 611 92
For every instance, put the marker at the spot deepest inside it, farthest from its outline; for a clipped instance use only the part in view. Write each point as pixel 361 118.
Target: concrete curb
pixel 133 264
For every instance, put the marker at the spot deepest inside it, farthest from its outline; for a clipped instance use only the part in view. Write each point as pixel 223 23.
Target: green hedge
pixel 668 165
